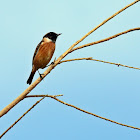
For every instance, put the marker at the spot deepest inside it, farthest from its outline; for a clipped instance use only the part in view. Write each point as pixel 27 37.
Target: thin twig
pixel 86 58
pixel 90 58
pixel 44 95
pixel 94 114
pixel 54 97
pixel 106 39
pixel 33 85
pixel 21 117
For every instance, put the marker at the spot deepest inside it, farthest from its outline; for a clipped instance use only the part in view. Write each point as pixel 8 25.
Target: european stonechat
pixel 43 53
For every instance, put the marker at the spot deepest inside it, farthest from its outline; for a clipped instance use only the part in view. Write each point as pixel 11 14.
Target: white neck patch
pixel 46 39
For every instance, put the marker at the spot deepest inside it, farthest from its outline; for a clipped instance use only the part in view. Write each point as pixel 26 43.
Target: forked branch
pixel 59 61
pixel 54 97
pixel 106 39
pixel 43 96
pixel 51 67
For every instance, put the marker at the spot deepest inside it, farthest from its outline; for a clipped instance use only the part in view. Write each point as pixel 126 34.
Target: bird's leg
pixel 40 74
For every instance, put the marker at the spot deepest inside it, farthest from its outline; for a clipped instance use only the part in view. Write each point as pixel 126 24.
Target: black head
pixel 51 35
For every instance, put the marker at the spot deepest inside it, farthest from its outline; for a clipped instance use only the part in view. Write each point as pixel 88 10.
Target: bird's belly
pixel 43 58
pixel 42 61
pixel 44 55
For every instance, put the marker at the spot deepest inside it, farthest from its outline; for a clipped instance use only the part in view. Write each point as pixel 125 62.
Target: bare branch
pixel 94 114
pixel 33 85
pixel 51 96
pixel 106 39
pixel 54 97
pixel 87 58
pixel 21 117
pixel 44 95
pixel 90 58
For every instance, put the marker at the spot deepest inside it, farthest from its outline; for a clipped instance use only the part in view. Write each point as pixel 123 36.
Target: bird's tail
pixel 29 81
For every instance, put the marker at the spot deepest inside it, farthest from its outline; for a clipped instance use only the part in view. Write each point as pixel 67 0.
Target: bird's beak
pixel 59 34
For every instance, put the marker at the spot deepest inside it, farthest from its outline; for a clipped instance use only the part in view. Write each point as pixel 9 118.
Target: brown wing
pixel 36 50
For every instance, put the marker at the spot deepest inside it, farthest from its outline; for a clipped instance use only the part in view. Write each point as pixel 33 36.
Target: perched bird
pixel 43 53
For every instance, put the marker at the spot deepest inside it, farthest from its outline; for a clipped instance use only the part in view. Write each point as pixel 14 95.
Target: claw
pixel 52 63
pixel 40 75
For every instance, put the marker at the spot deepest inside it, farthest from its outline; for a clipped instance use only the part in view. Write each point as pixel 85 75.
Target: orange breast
pixel 44 55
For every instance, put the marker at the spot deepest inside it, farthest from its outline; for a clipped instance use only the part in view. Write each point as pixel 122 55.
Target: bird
pixel 43 53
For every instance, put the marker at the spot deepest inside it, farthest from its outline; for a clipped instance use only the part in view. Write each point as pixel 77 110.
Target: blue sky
pixel 103 89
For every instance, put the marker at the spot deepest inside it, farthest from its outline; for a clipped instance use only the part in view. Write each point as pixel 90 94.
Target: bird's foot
pixel 40 75
pixel 52 63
